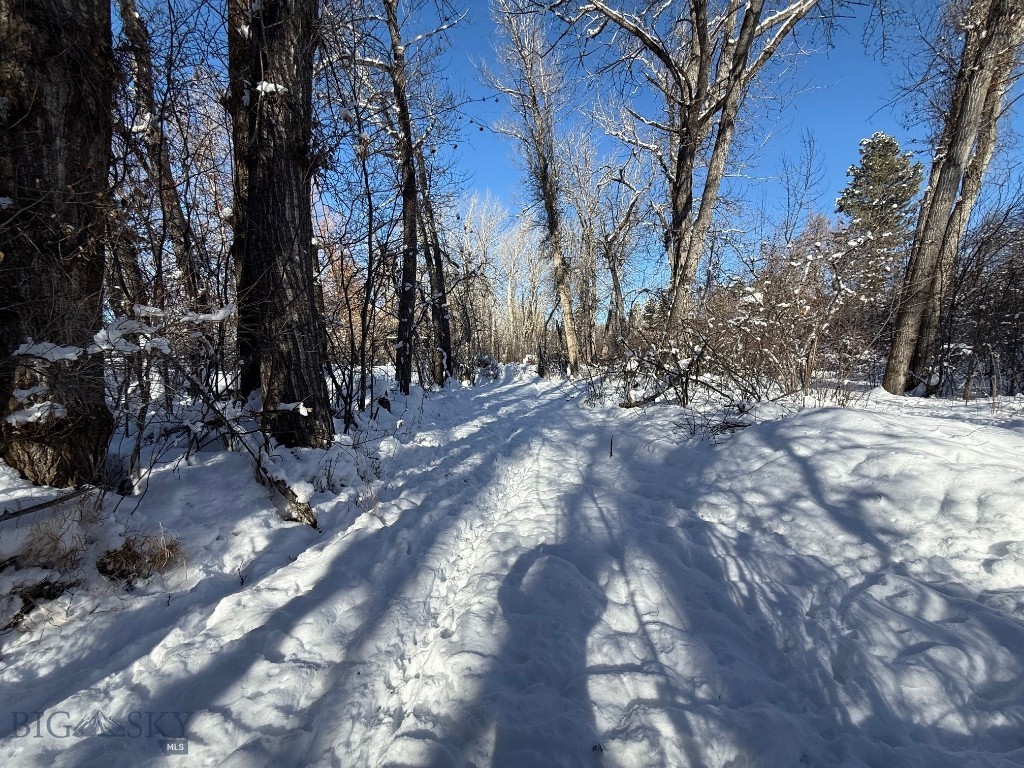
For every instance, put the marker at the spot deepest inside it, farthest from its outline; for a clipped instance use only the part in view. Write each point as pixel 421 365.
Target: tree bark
pixel 993 27
pixel 239 33
pixel 277 303
pixel 444 363
pixel 926 349
pixel 56 75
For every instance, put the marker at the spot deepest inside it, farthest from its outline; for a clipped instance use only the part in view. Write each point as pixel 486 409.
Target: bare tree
pixel 532 80
pixel 410 197
pixel 610 199
pixel 702 62
pixel 443 361
pixel 155 154
pixel 993 34
pixel 56 75
pixel 277 306
pixel 399 97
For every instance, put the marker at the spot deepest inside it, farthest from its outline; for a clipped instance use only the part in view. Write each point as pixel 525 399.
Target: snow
pixel 210 317
pixel 112 337
pixel 156 344
pixel 24 395
pixel 38 413
pixel 270 88
pixel 144 310
pixel 526 579
pixel 142 125
pixel 49 352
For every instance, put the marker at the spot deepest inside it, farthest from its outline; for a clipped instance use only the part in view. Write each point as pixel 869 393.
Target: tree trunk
pixel 444 364
pixel 56 76
pixel 238 98
pixel 994 27
pixel 410 202
pixel 614 328
pixel 562 287
pixel 277 305
pixel 702 69
pixel 156 159
pixel 736 81
pixel 925 352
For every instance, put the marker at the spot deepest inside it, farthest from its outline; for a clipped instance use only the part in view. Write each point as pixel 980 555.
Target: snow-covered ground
pixel 534 581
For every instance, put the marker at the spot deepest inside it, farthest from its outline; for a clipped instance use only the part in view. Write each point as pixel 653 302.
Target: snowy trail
pixel 841 588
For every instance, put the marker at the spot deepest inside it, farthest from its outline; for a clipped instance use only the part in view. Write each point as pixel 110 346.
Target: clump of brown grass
pixel 139 557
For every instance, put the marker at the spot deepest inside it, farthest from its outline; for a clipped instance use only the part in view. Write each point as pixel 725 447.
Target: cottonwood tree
pixel 358 193
pixel 417 208
pixel 535 85
pixel 154 150
pixel 443 362
pixel 982 331
pixel 410 196
pixel 281 338
pixel 992 33
pixel 701 59
pixel 493 262
pixel 521 279
pixel 56 75
pixel 610 199
pixel 171 184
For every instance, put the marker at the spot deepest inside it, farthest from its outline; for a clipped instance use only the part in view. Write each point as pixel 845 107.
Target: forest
pixel 244 209
pixel 314 450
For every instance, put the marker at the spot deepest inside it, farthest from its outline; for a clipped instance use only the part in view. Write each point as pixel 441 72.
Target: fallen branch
pixel 6 515
pixel 299 510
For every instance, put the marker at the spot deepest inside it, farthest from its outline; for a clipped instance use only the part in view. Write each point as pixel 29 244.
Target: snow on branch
pixel 210 317
pixel 37 414
pixel 47 351
pixel 270 88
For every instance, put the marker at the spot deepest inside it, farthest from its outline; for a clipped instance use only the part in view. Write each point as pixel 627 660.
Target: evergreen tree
pixel 879 201
pixel 879 205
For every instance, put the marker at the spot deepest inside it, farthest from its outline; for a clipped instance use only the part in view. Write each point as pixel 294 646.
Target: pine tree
pixel 879 203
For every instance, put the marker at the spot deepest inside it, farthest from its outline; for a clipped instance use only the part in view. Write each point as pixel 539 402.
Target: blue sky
pixel 844 100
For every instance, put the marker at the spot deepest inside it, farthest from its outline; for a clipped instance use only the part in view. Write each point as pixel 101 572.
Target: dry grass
pixel 59 541
pixel 139 557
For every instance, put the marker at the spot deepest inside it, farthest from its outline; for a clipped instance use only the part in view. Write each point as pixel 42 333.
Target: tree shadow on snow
pixel 829 659
pixel 645 632
pixel 743 649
